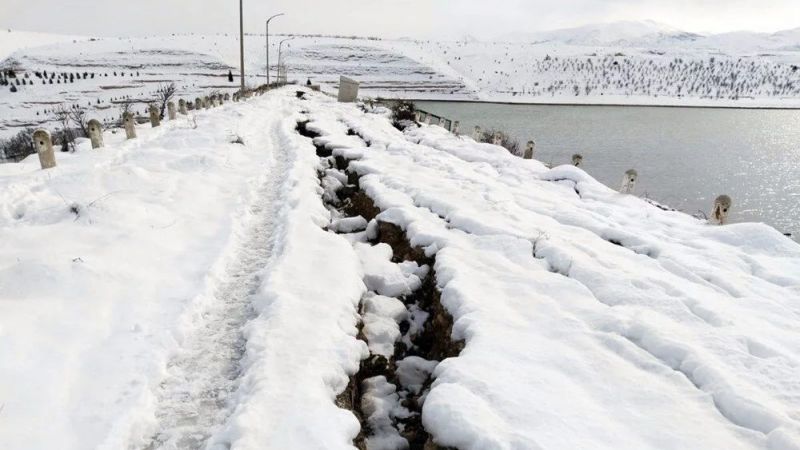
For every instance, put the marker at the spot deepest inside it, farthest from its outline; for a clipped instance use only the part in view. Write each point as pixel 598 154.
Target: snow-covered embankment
pixel 377 288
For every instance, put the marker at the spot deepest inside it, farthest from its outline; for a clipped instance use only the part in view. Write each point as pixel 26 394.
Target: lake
pixel 685 156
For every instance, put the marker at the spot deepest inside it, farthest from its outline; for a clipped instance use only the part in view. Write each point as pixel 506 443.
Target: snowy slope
pixel 591 319
pixel 128 274
pixel 625 63
pixel 618 34
pixel 183 291
pixel 13 40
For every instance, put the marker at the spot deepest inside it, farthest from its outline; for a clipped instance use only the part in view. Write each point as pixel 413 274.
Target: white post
pixel 456 124
pixel 44 147
pixel 477 134
pixel 498 138
pixel 95 133
pixel 154 119
pixel 182 106
pixel 529 150
pixel 130 127
pixel 171 110
pixel 629 181
pixel 722 206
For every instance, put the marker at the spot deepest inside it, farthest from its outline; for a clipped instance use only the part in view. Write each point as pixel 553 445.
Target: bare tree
pixel 78 117
pixel 165 94
pixel 66 135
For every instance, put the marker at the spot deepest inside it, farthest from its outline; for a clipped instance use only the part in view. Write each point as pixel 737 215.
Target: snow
pixel 14 40
pixel 620 33
pixel 197 296
pixel 301 349
pixel 171 228
pixel 652 61
pixel 381 317
pixel 592 319
pixel 349 224
pixel 385 277
pixel 381 405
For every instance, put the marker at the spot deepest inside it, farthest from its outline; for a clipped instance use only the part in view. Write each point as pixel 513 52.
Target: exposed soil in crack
pixel 426 332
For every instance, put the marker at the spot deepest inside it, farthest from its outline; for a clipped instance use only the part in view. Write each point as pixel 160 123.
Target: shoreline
pixel 616 104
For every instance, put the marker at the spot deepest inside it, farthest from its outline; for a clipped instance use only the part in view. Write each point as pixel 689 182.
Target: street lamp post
pixel 280 46
pixel 241 41
pixel 276 15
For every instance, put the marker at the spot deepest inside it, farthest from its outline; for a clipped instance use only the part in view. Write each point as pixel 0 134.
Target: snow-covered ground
pixel 615 64
pixel 13 40
pixel 184 291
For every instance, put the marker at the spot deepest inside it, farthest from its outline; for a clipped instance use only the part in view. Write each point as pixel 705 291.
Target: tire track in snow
pixel 196 396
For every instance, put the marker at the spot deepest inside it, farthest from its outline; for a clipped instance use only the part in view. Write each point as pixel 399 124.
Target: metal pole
pixel 276 15
pixel 280 47
pixel 241 40
pixel 267 35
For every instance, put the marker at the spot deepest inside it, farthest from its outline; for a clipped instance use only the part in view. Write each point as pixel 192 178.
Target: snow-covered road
pixel 185 291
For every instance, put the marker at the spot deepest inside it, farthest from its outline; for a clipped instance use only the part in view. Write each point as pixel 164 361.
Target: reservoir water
pixel 685 156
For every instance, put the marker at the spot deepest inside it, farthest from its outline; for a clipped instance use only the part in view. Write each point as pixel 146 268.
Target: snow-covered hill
pixel 618 34
pixel 652 34
pixel 13 40
pixel 625 64
pixel 287 273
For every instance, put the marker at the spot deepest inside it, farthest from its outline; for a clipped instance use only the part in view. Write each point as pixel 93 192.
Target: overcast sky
pixel 395 18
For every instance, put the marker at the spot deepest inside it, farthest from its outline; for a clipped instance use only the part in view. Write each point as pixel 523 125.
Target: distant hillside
pixel 623 33
pixel 13 40
pixel 654 34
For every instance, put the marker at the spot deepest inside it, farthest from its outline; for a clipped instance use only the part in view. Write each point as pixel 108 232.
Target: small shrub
pixel 403 113
pixel 17 147
pixel 507 142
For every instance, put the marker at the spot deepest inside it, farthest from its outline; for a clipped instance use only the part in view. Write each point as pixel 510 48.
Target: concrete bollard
pixel 44 147
pixel 221 99
pixel 171 110
pixel 130 126
pixel 95 133
pixel 206 103
pixel 198 104
pixel 456 125
pixel 227 97
pixel 498 138
pixel 182 106
pixel 477 134
pixel 428 119
pixel 529 150
pixel 722 206
pixel 348 90
pixel 629 181
pixel 577 160
pixel 155 120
